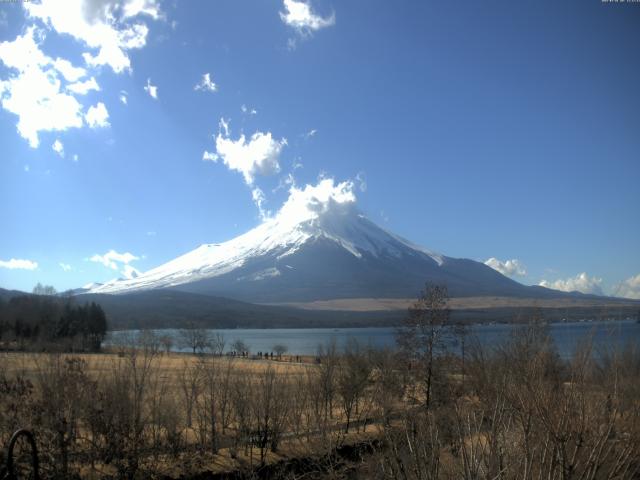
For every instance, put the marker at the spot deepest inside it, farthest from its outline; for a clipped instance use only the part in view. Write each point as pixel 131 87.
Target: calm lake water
pixel 305 341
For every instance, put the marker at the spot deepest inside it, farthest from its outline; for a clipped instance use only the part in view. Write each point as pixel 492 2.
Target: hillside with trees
pixel 44 321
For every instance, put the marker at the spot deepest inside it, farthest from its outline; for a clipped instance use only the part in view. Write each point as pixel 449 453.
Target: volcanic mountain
pixel 319 247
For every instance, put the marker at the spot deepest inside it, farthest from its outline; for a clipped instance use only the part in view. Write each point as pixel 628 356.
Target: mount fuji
pixel 319 246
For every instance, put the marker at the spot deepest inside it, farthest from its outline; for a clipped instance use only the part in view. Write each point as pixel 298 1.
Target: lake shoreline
pixel 305 341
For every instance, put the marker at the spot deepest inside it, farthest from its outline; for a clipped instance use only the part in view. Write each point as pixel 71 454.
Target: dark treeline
pixel 46 321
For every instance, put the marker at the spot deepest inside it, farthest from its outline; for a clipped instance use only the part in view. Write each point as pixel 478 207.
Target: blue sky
pixel 488 130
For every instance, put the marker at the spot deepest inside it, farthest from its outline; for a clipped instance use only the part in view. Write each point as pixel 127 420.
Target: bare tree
pixel 148 341
pixel 353 378
pixel 387 383
pixel 423 333
pixel 208 402
pixel 461 334
pixel 197 340
pixel 326 377
pixel 280 349
pixel 189 380
pixel 217 344
pixel 239 347
pixel 167 343
pixel 270 408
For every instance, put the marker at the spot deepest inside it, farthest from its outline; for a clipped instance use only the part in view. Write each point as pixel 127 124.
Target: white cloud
pixel 509 268
pixel 132 8
pixel 258 156
pixel 310 133
pixel 27 168
pixel 123 97
pixel 630 288
pixel 68 71
pixel 152 90
pixel 97 116
pixel 42 91
pixel 104 26
pixel 300 16
pixel 309 202
pixel 580 283
pixel 119 262
pixel 24 52
pixel 151 233
pixel 58 147
pixel 209 156
pixel 75 157
pixel 18 264
pixel 33 91
pixel 206 84
pixel 65 266
pixel 82 88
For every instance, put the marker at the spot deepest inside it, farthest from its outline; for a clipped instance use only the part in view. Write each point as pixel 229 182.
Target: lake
pixel 305 341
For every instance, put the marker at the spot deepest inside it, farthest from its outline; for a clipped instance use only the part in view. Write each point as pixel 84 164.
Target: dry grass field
pixel 517 412
pixel 179 412
pixel 171 364
pixel 461 303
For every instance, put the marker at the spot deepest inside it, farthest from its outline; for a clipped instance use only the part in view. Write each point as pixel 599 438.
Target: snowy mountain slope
pixel 319 246
pixel 330 256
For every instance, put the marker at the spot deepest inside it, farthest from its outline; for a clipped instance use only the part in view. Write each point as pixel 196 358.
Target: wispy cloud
pixel 118 261
pixel 65 266
pixel 259 200
pixel 248 111
pixel 130 272
pixel 361 181
pixel 206 84
pixel 152 90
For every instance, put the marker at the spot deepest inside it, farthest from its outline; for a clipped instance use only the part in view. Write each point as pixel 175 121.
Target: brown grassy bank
pixel 512 412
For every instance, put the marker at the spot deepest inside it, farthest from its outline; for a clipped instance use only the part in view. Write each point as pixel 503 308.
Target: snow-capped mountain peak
pixel 335 220
pixel 318 246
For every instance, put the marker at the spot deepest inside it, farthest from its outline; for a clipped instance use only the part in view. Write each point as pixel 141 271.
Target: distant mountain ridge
pixel 167 308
